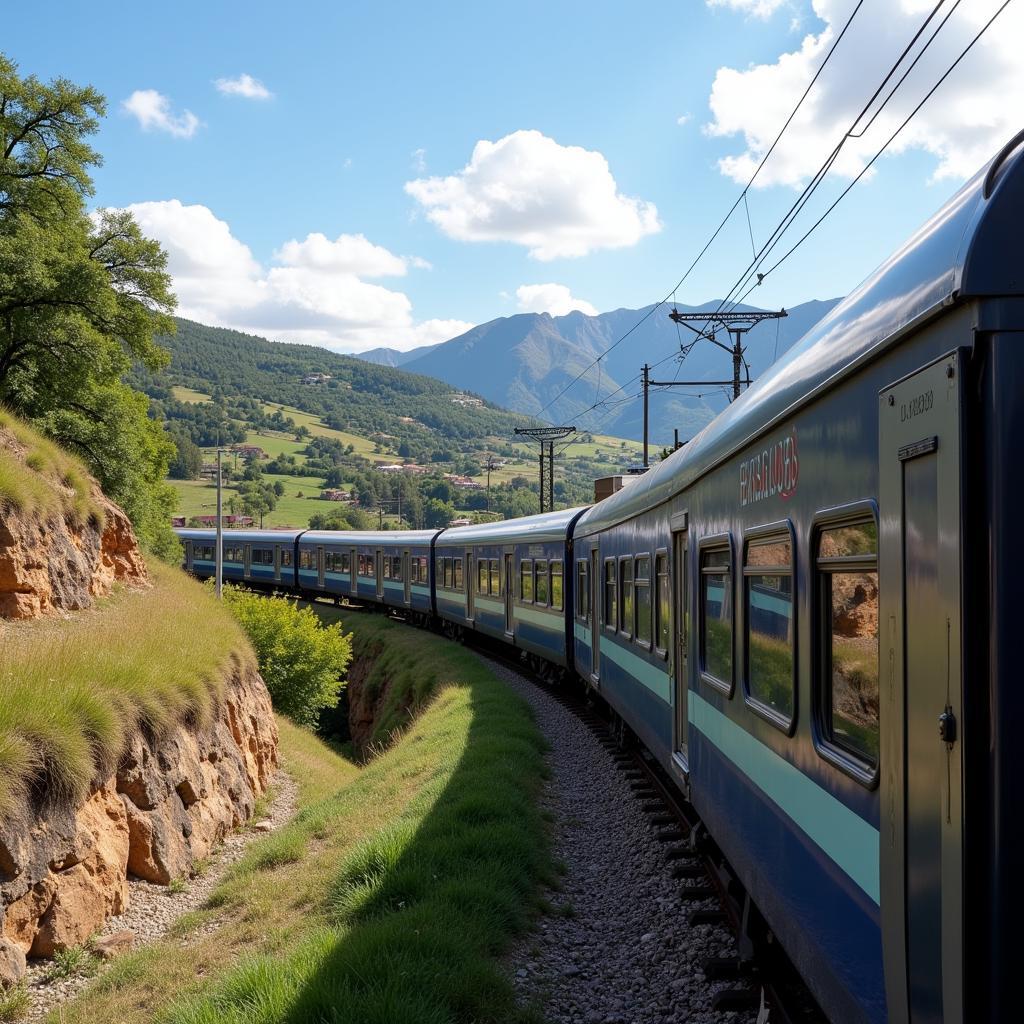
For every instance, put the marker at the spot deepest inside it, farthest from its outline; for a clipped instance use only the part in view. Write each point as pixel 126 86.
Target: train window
pixel 457 577
pixel 526 580
pixel 421 569
pixel 556 586
pixel 204 553
pixel 306 560
pixel 367 566
pixel 481 576
pixel 439 571
pixel 582 589
pixel 716 615
pixel 768 586
pixel 446 579
pixel 626 596
pixel 233 554
pixel 663 605
pixel 495 575
pixel 610 606
pixel 540 587
pixel 346 563
pixel 642 599
pixel 396 568
pixel 387 567
pixel 847 564
pixel 286 558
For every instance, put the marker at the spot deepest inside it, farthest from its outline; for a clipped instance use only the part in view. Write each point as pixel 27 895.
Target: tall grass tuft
pixel 74 691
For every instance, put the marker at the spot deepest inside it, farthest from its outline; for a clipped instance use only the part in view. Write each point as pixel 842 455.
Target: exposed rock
pixel 263 826
pixel 50 563
pixel 110 946
pixel 64 872
pixel 12 964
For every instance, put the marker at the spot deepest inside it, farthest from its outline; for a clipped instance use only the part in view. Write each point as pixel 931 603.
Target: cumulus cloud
pixel 558 201
pixel 555 299
pixel 245 86
pixel 684 119
pixel 756 8
pixel 971 115
pixel 153 112
pixel 419 160
pixel 314 293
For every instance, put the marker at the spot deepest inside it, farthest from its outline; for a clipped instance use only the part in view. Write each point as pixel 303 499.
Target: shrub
pixel 302 661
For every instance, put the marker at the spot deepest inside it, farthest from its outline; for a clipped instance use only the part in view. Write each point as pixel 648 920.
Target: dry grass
pixel 74 691
pixel 45 479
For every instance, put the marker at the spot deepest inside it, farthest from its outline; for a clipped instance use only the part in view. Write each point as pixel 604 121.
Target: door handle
pixel 947 726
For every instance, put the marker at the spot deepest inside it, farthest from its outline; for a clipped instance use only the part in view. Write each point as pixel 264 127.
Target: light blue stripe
pixel 847 839
pixel 395 585
pixel 492 604
pixel 656 680
pixel 582 633
pixel 549 620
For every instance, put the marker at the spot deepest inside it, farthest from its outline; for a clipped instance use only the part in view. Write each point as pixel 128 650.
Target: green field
pixel 189 396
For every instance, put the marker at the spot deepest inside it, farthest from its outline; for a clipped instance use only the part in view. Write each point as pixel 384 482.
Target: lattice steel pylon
pixel 547 436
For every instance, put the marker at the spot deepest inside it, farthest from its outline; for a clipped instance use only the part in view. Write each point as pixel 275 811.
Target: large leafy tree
pixel 82 296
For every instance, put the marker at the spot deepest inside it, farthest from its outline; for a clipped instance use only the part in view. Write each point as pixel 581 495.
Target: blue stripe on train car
pixel 541 631
pixel 823 879
pixel 629 680
pixel 489 615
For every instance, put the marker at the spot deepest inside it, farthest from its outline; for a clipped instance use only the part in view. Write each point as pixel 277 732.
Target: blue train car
pixel 391 567
pixel 507 580
pixel 258 558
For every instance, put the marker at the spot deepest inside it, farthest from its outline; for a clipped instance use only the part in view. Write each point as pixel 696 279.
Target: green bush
pixel 302 661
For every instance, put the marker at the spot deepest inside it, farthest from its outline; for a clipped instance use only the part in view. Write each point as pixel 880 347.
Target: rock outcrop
pixel 171 800
pixel 51 561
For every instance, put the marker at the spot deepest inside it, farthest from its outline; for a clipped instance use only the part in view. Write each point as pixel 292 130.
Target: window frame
pixel 612 626
pixel 581 609
pixel 647 645
pixel 715 542
pixel 662 652
pixel 837 755
pixel 780 529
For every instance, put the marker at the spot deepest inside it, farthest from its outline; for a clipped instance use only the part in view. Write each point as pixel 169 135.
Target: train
pixel 807 614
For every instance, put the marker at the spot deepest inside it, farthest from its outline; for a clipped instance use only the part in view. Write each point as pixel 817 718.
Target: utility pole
pixel 547 436
pixel 489 467
pixel 736 324
pixel 647 383
pixel 218 573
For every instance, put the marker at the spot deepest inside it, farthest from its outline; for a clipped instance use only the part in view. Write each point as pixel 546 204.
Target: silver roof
pixel 967 248
pixel 357 538
pixel 549 526
pixel 245 536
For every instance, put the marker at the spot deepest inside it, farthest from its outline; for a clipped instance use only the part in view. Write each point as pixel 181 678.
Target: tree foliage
pixel 302 660
pixel 82 297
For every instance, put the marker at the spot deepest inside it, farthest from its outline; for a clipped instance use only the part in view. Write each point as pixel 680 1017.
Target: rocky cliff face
pixel 171 800
pixel 50 561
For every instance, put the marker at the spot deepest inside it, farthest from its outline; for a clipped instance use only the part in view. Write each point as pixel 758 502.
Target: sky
pixel 390 174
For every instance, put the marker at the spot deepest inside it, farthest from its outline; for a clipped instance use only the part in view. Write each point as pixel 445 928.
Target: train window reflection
pixel 664 605
pixel 556 586
pixel 769 621
pixel 848 573
pixel 495 578
pixel 540 590
pixel 626 596
pixel 716 614
pixel 642 589
pixel 609 594
pixel 582 590
pixel 526 579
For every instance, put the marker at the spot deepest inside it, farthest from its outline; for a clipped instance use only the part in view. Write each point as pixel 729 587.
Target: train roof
pixel 245 536
pixel 970 248
pixel 548 526
pixel 357 538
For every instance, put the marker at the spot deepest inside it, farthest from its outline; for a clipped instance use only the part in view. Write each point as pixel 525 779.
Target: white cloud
pixel 315 293
pixel 971 115
pixel 684 119
pixel 244 85
pixel 419 160
pixel 153 111
pixel 555 299
pixel 756 8
pixel 559 201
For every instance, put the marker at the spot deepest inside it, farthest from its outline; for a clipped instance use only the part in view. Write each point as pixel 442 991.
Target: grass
pixel 73 692
pixel 74 962
pixel 183 394
pixel 46 479
pixel 390 895
pixel 14 1004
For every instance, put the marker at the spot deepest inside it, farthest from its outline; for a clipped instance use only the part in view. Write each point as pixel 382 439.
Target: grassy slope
pixel 148 658
pixel 389 896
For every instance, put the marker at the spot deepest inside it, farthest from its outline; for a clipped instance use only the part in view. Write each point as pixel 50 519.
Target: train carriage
pixel 391 567
pixel 507 580
pixel 828 700
pixel 258 558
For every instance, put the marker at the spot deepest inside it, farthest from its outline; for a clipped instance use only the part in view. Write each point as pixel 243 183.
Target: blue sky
pixel 366 98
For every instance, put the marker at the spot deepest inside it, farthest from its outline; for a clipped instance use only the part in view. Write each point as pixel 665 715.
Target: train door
pixel 680 625
pixel 247 565
pixel 921 708
pixel 596 596
pixel 510 582
pixel 188 555
pixel 379 561
pixel 353 571
pixel 406 573
pixel 470 579
pixel 320 566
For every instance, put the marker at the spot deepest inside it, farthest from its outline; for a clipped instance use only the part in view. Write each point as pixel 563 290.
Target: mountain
pixel 392 356
pixel 523 362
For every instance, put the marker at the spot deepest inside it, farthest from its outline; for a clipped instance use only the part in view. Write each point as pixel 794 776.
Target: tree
pixel 437 514
pixel 188 460
pixel 82 296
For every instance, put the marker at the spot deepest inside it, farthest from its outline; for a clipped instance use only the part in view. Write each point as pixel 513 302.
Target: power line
pixel 732 209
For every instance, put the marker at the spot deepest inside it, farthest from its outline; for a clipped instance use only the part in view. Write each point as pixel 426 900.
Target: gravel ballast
pixel 618 948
